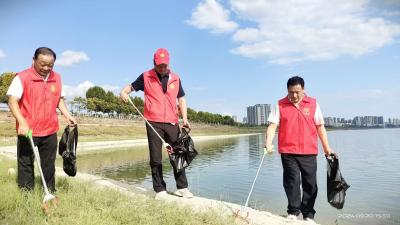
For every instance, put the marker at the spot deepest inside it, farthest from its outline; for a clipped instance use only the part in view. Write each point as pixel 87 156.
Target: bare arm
pixel 14 107
pixel 183 109
pixel 125 92
pixel 63 108
pixel 324 139
pixel 270 134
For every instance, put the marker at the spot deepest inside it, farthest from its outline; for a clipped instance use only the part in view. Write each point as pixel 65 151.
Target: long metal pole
pixel 164 143
pixel 252 186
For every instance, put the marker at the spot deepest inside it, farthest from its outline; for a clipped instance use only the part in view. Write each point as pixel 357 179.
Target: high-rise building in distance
pixel 258 114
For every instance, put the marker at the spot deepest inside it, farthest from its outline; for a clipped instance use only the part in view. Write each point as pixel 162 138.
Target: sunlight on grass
pixel 82 203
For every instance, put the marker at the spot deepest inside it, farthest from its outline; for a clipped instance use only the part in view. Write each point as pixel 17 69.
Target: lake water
pixel 225 169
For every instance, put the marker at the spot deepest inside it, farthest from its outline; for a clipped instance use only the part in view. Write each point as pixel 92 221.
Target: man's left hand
pixel 71 121
pixel 186 123
pixel 329 151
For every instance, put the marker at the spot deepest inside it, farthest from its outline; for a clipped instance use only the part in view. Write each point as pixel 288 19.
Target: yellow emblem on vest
pixel 306 111
pixel 53 88
pixel 162 55
pixel 172 86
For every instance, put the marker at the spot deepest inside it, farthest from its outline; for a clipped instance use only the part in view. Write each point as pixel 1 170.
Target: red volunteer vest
pixel 160 106
pixel 39 101
pixel 297 129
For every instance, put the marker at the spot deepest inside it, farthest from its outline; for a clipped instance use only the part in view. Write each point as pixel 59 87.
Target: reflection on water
pixel 225 169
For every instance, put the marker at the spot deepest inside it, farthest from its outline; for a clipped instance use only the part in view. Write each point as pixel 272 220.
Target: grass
pixel 104 129
pixel 82 203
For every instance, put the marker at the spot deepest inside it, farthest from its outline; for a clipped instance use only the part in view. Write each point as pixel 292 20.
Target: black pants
pixel 170 134
pixel 47 150
pixel 300 170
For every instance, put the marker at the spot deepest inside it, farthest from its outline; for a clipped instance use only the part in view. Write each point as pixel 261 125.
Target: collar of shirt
pixel 37 74
pixel 161 77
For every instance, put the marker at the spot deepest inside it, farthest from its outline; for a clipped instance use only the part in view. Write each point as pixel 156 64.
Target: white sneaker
pixel 310 221
pixel 291 217
pixel 161 195
pixel 184 192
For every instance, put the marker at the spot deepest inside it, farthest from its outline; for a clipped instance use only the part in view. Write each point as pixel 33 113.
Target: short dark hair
pixel 295 81
pixel 44 51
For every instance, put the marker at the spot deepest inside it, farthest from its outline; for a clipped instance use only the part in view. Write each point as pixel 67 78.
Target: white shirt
pixel 16 89
pixel 274 117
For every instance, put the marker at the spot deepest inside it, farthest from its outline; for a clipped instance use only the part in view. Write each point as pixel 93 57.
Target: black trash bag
pixel 336 184
pixel 67 149
pixel 183 151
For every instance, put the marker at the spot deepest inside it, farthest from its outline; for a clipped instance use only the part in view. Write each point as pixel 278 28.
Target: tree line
pixel 97 100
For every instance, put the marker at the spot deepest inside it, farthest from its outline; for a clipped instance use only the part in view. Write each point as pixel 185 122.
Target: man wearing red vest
pixel 300 122
pixel 34 96
pixel 162 88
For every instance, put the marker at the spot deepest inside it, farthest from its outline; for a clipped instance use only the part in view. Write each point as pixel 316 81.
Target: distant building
pixel 358 121
pixel 381 120
pixel 368 121
pixel 258 114
pixel 244 119
pixel 329 121
pixel 394 121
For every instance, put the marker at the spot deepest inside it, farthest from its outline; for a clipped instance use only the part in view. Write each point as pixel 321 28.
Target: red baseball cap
pixel 161 56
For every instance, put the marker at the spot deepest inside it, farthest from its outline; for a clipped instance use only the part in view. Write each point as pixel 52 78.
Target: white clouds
pixel 391 13
pixel 227 114
pixel 80 90
pixel 112 88
pixel 2 54
pixel 69 58
pixel 75 91
pixel 211 15
pixel 289 31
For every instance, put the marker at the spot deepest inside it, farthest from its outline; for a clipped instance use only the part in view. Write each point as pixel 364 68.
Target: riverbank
pixel 105 129
pixel 91 200
pixel 88 199
pixel 88 147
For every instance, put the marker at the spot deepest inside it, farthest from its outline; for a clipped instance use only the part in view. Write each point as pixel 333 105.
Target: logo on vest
pixel 172 86
pixel 53 88
pixel 162 55
pixel 306 111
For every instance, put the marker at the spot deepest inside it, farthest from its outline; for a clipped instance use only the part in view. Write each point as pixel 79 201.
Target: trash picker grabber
pixel 243 213
pixel 47 197
pixel 167 146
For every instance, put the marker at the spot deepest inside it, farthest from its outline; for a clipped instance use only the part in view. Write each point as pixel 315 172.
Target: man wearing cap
pixel 34 96
pixel 300 122
pixel 162 91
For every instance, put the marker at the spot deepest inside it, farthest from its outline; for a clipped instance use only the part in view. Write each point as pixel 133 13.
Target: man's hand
pixel 268 149
pixel 329 151
pixel 124 96
pixel 125 93
pixel 186 123
pixel 71 121
pixel 23 128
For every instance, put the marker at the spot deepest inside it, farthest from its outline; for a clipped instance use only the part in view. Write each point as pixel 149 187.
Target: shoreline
pixel 90 146
pixel 196 203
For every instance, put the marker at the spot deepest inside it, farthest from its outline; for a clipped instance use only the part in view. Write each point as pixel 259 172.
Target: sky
pixel 230 54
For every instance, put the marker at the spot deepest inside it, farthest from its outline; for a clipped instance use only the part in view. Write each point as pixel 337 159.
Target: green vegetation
pixel 82 203
pixel 212 118
pixel 98 100
pixel 5 82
